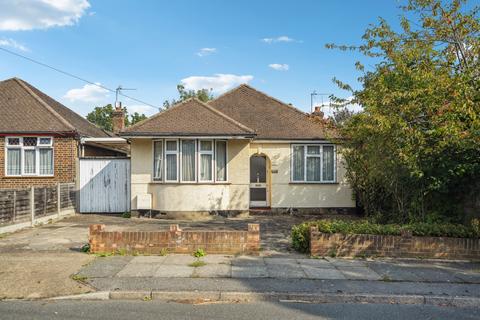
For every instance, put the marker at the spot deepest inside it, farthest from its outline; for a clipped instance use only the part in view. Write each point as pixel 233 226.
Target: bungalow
pixel 41 139
pixel 241 151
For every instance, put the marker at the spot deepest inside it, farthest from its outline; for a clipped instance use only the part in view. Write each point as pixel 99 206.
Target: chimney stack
pixel 318 112
pixel 118 118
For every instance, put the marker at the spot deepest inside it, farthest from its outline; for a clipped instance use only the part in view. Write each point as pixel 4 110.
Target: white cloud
pixel 328 110
pixel 278 39
pixel 88 93
pixel 13 44
pixel 279 66
pixel 40 14
pixel 219 82
pixel 206 52
pixel 146 110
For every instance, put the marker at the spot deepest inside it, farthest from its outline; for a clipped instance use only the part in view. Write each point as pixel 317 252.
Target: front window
pixel 190 160
pixel 313 163
pixel 29 156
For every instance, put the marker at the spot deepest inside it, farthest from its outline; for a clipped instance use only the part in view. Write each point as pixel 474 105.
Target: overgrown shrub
pixel 301 232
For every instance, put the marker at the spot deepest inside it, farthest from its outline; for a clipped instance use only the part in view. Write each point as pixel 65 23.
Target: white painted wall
pixel 234 195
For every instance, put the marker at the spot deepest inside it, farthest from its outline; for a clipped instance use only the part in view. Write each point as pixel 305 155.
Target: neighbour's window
pixel 191 160
pixel 188 160
pixel 171 163
pixel 29 156
pixel 157 160
pixel 313 163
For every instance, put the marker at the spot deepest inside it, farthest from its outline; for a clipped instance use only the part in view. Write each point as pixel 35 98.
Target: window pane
pixel 206 146
pixel 221 160
pixel 298 163
pixel 29 141
pixel 45 141
pixel 13 161
pixel 13 141
pixel 205 167
pixel 313 168
pixel 171 145
pixel 46 161
pixel 188 160
pixel 328 163
pixel 313 150
pixel 171 162
pixel 157 160
pixel 29 162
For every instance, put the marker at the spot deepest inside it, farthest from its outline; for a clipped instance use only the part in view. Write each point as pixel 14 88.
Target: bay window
pixel 313 163
pixel 189 160
pixel 29 156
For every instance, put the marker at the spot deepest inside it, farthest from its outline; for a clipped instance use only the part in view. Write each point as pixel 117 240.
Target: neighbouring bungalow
pixel 241 151
pixel 41 139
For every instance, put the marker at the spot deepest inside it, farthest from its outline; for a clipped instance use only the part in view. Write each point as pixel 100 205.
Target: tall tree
pixel 414 153
pixel 202 95
pixel 102 117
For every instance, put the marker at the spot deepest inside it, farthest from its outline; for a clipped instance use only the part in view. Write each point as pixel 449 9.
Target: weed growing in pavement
pixel 163 252
pixel 198 263
pixel 199 253
pixel 78 277
pixel 386 278
pixel 126 215
pixel 85 248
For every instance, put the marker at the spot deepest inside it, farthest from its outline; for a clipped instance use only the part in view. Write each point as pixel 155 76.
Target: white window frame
pixel 162 169
pixel 198 152
pixel 306 155
pixel 226 161
pixel 22 156
pixel 194 159
pixel 212 161
pixel 177 153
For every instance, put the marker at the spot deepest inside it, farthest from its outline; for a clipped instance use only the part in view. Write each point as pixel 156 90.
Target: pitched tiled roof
pixel 189 118
pixel 25 109
pixel 269 117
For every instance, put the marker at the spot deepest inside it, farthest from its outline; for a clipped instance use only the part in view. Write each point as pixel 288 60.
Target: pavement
pixel 119 310
pixel 46 261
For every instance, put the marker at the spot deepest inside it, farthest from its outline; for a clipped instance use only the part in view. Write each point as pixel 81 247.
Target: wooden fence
pixel 35 204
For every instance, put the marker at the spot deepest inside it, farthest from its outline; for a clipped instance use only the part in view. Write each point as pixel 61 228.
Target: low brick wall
pixel 354 245
pixel 175 241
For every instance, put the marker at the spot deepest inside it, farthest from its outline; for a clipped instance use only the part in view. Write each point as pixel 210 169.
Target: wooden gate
pixel 104 185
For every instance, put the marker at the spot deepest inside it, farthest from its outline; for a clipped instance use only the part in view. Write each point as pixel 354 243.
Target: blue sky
pixel 275 46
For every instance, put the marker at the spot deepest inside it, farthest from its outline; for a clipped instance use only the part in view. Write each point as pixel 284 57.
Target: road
pixel 117 310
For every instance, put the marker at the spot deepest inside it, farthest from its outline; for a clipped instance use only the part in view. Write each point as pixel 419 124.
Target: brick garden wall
pixel 325 244
pixel 175 241
pixel 64 153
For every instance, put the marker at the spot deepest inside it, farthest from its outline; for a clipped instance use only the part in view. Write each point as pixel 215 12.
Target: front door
pixel 258 181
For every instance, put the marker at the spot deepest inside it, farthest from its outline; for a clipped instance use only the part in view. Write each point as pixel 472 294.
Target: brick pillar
pixel 253 237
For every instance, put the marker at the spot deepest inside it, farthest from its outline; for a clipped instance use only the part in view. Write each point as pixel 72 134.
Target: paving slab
pixel 346 262
pixel 359 273
pixel 249 271
pixel 321 273
pixel 317 263
pixel 217 258
pixel 179 259
pixel 285 271
pixel 149 259
pixel 213 271
pixel 248 261
pixel 138 270
pixel 280 261
pixel 393 272
pixel 104 267
pixel 174 271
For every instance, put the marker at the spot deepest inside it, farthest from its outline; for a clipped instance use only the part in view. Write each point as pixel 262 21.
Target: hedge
pixel 301 232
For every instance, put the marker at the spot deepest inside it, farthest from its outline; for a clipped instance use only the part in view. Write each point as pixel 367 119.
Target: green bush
pixel 301 234
pixel 126 215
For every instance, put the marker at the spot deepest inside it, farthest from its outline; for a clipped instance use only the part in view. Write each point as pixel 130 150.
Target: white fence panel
pixel 104 185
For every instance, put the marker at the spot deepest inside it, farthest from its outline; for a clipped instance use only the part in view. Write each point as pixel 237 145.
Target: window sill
pixel 312 182
pixel 190 183
pixel 29 177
